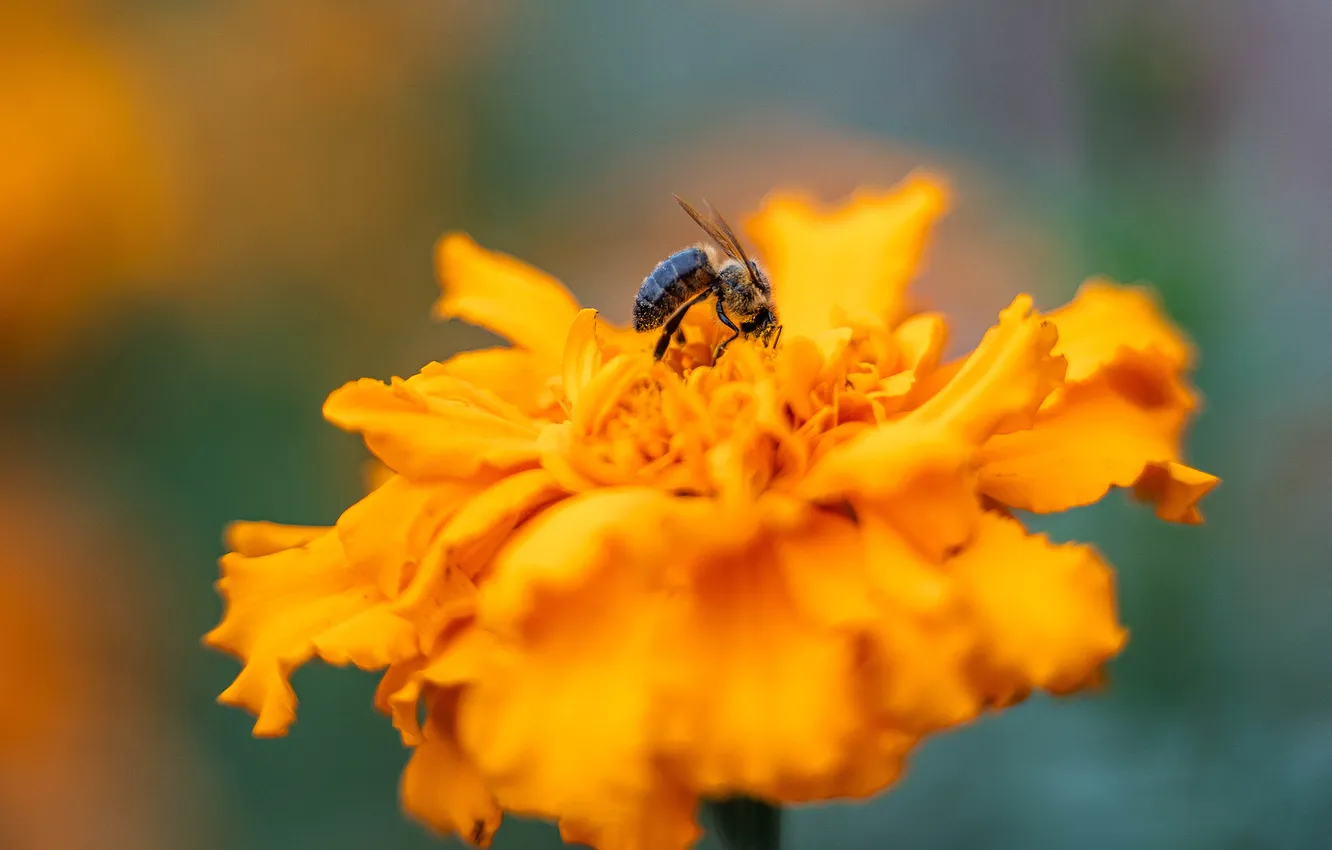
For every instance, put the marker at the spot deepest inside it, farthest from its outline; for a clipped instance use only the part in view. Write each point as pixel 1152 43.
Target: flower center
pixel 749 422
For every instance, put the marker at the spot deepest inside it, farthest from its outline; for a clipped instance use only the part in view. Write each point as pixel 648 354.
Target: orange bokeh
pixel 85 193
pixel 90 753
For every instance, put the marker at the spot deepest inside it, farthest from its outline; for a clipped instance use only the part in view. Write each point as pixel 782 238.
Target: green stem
pixel 743 823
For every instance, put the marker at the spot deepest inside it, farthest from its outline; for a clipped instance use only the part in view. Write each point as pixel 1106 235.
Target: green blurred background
pixel 212 213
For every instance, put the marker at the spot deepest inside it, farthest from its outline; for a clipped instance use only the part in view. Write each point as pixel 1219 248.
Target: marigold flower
pixel 619 586
pixel 85 715
pixel 86 200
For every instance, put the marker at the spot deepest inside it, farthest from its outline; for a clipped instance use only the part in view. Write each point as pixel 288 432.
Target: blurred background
pixel 212 213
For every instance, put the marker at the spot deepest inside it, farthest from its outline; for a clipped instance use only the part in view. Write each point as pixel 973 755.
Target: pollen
pixel 614 586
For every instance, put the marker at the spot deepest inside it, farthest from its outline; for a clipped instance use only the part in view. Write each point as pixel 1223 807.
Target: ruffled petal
pixel 920 340
pixel 558 550
pixel 907 577
pixel 442 787
pixel 371 639
pixel 915 477
pixel 520 303
pixel 1121 415
pixel 398 695
pixel 1104 319
pixel 569 712
pixel 824 570
pixel 1092 440
pixel 799 363
pixel 337 595
pixel 487 520
pixel 1003 382
pixel 1175 489
pixel 781 712
pixel 276 606
pixel 883 462
pixel 851 265
pixel 388 532
pixel 466 546
pixel 253 539
pixel 1045 613
pixel 917 668
pixel 561 720
pixel 879 761
pixel 516 375
pixel 427 437
pixel 662 820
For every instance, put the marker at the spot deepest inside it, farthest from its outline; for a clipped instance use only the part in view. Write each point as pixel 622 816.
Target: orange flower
pixel 86 719
pixel 85 196
pixel 620 586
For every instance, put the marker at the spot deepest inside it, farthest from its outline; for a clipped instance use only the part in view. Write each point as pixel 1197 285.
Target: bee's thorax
pixel 743 293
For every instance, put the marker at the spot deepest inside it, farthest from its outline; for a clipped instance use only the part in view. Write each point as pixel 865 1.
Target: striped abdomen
pixel 674 281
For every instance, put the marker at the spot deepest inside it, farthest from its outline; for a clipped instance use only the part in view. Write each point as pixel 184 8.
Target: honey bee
pixel 695 274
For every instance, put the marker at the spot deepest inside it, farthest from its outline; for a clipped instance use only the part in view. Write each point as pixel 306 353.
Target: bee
pixel 742 290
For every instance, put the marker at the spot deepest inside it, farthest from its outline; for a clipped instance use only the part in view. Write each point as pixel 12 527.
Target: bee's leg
pixel 778 337
pixel 673 324
pixel 680 337
pixel 725 320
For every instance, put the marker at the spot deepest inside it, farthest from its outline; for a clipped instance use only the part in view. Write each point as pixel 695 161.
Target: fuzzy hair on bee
pixel 739 286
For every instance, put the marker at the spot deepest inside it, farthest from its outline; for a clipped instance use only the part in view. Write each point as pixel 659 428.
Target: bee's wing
pixel 716 227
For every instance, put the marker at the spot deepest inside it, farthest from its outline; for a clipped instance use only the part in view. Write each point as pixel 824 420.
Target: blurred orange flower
pixel 620 585
pixel 90 751
pixel 85 200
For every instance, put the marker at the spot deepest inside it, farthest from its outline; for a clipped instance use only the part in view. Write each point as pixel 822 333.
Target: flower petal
pixel 1121 415
pixel 388 531
pixel 1104 319
pixel 799 363
pixel 276 606
pixel 661 820
pixel 526 306
pixel 561 720
pixel 582 355
pixel 427 437
pixel 564 716
pixel 781 711
pixel 919 668
pixel 605 391
pixel 1003 382
pixel 516 375
pixel 466 546
pixel 1045 612
pixel 253 539
pixel 375 474
pixel 399 695
pixel 1175 489
pixel 371 639
pixel 880 462
pixel 558 550
pixel 880 760
pixel 907 576
pixel 824 570
pixel 916 477
pixel 921 339
pixel 851 265
pixel 919 646
pixel 442 787
pixel 487 520
pixel 1091 440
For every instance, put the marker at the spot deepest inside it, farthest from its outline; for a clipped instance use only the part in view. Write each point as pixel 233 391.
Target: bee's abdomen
pixel 674 281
